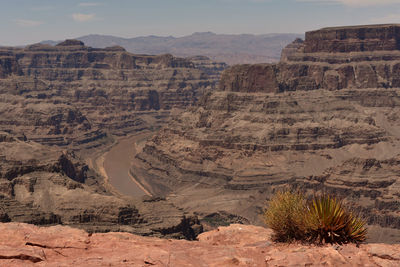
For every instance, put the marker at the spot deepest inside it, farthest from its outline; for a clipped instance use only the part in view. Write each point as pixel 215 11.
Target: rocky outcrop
pixel 356 57
pixel 236 245
pixel 291 49
pixel 211 68
pixel 71 42
pixel 72 95
pixel 77 97
pixel 321 121
pixel 354 39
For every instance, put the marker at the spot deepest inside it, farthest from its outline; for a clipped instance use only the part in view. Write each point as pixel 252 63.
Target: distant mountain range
pixel 229 48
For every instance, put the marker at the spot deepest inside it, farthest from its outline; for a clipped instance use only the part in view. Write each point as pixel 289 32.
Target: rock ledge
pixel 235 245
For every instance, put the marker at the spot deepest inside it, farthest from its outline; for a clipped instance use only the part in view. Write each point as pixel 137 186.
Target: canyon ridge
pixel 62 106
pixel 212 144
pixel 325 118
pixel 229 48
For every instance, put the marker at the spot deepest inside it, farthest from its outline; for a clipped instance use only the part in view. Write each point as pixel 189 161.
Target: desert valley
pixel 160 148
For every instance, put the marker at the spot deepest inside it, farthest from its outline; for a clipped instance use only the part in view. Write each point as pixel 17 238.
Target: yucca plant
pixel 285 215
pixel 356 231
pixel 330 222
pixel 323 219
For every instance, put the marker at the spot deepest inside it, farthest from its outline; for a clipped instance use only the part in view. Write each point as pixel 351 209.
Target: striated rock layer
pixel 71 94
pixel 76 97
pixel 354 39
pixel 323 119
pixel 44 185
pixel 236 245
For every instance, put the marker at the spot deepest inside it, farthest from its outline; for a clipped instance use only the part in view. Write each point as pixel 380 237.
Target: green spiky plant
pixel 322 220
pixel 285 215
pixel 330 222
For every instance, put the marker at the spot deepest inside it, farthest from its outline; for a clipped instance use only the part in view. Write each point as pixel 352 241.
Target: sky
pixel 31 21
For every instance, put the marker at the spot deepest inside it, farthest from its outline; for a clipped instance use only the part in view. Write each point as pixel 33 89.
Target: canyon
pixel 105 140
pixel 323 119
pixel 70 94
pixel 63 107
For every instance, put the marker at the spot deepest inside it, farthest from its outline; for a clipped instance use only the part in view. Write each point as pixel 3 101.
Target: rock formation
pixel 59 103
pixel 70 94
pixel 324 118
pixel 236 245
pixel 44 185
pixel 354 39
pixel 229 48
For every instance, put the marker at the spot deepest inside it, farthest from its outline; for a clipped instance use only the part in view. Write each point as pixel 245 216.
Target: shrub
pixel 285 215
pixel 330 222
pixel 323 219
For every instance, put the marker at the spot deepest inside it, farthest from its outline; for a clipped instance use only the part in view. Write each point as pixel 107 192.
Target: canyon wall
pixel 323 119
pixel 70 94
pixel 330 58
pixel 354 39
pixel 56 102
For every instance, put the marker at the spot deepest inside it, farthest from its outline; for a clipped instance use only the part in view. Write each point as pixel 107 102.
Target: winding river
pixel 117 163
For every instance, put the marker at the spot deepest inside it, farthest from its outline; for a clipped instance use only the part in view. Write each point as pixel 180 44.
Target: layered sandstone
pixel 60 103
pixel 45 185
pixel 70 94
pixel 304 67
pixel 319 120
pixel 354 39
pixel 330 58
pixel 236 245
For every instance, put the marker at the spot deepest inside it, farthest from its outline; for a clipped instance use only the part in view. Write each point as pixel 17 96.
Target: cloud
pixel 88 4
pixel 356 3
pixel 79 17
pixel 27 23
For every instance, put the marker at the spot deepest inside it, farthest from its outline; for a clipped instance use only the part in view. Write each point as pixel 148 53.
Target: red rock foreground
pixel 236 245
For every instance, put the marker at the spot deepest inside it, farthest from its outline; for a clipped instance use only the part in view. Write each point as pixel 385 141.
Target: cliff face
pixel 69 97
pixel 331 59
pixel 71 94
pixel 324 120
pixel 353 39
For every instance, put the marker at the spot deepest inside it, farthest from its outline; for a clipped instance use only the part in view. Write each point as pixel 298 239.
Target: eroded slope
pixel 321 120
pixel 71 94
pixel 58 102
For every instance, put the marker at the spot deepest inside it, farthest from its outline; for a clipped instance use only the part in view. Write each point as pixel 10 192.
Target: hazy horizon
pixel 169 36
pixel 26 22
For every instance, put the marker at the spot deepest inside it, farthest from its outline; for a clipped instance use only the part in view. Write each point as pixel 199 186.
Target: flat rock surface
pixel 235 245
